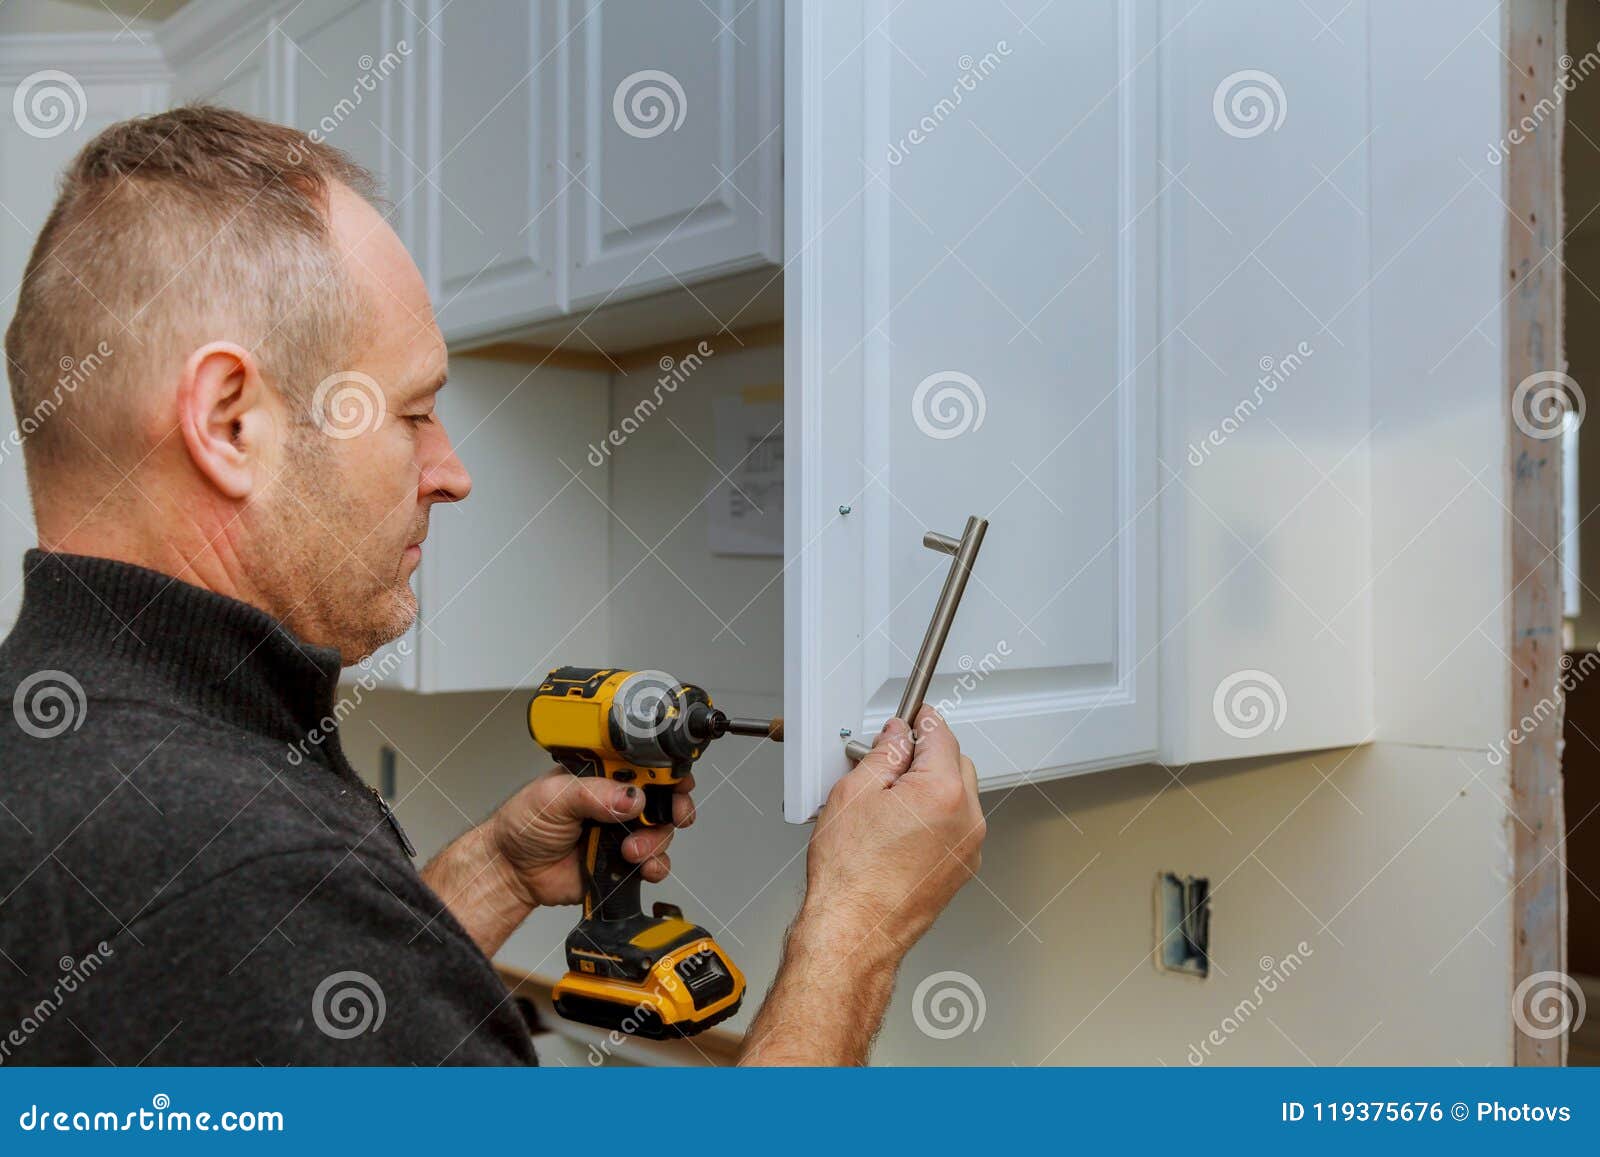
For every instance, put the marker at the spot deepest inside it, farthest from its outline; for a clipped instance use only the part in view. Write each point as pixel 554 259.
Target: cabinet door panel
pixel 970 309
pixel 674 157
pixel 343 66
pixel 491 87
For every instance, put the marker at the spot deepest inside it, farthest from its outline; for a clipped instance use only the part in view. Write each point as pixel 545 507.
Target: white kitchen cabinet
pixel 542 158
pixel 345 72
pixel 1055 275
pixel 346 67
pixel 970 314
pixel 675 153
pixel 487 105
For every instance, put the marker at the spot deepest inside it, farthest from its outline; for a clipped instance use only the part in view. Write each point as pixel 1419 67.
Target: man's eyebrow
pixel 433 384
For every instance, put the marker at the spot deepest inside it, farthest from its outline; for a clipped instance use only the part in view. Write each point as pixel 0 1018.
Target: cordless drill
pixel 659 975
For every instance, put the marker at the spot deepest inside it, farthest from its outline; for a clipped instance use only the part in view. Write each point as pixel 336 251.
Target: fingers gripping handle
pixel 610 881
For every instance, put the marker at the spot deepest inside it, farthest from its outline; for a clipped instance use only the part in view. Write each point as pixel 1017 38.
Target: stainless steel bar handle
pixel 964 552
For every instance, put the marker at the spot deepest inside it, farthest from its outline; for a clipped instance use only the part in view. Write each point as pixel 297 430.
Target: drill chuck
pixel 705 723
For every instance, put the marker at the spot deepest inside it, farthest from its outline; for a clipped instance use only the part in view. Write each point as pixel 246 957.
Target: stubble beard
pixel 326 594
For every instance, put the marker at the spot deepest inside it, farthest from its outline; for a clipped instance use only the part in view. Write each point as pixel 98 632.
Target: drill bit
pixel 759 728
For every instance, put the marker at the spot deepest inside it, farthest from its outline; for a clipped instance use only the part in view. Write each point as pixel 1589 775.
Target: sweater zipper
pixel 406 845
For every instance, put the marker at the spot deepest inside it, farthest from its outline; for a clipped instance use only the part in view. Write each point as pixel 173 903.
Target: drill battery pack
pixel 652 976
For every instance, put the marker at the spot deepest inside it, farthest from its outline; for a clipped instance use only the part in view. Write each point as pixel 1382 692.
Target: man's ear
pixel 225 411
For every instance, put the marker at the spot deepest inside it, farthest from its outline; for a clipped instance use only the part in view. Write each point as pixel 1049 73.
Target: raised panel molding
pixel 491 129
pixel 633 229
pixel 222 53
pixel 337 124
pixel 604 236
pixel 240 74
pixel 200 26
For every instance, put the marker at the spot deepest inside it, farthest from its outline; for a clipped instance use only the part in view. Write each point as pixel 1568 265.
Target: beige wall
pixel 1387 861
pixel 1397 852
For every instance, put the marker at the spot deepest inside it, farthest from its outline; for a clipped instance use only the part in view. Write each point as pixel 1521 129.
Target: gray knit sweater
pixel 183 878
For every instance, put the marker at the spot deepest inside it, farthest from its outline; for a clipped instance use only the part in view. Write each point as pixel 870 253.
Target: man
pixel 190 871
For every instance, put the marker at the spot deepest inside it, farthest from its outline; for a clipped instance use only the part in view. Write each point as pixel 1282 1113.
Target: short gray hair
pixel 168 231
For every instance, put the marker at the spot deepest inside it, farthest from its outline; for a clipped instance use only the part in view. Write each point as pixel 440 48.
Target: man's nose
pixel 446 479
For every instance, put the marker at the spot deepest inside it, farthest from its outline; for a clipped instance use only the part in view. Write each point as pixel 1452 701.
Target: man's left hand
pixel 537 831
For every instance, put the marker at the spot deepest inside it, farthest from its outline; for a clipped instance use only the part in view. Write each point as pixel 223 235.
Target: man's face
pixel 350 508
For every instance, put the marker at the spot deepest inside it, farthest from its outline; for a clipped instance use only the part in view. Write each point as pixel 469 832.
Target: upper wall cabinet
pixel 487 108
pixel 344 71
pixel 541 158
pixel 970 314
pixel 674 163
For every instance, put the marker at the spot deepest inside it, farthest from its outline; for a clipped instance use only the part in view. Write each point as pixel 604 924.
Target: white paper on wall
pixel 747 509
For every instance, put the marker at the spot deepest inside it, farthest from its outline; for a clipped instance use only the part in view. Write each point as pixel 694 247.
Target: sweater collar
pixel 130 632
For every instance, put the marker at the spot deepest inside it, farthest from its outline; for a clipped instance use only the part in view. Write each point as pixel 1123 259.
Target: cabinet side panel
pixel 1266 371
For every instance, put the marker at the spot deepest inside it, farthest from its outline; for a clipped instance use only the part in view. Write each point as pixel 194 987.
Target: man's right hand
pixel 898 837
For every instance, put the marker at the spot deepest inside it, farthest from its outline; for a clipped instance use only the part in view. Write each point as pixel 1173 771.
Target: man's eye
pixel 419 419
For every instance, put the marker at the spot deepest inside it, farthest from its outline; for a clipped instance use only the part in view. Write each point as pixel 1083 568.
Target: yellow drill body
pixel 658 975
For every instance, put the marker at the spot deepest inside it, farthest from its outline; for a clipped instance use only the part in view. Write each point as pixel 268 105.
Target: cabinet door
pixel 674 165
pixel 346 67
pixel 489 96
pixel 970 313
